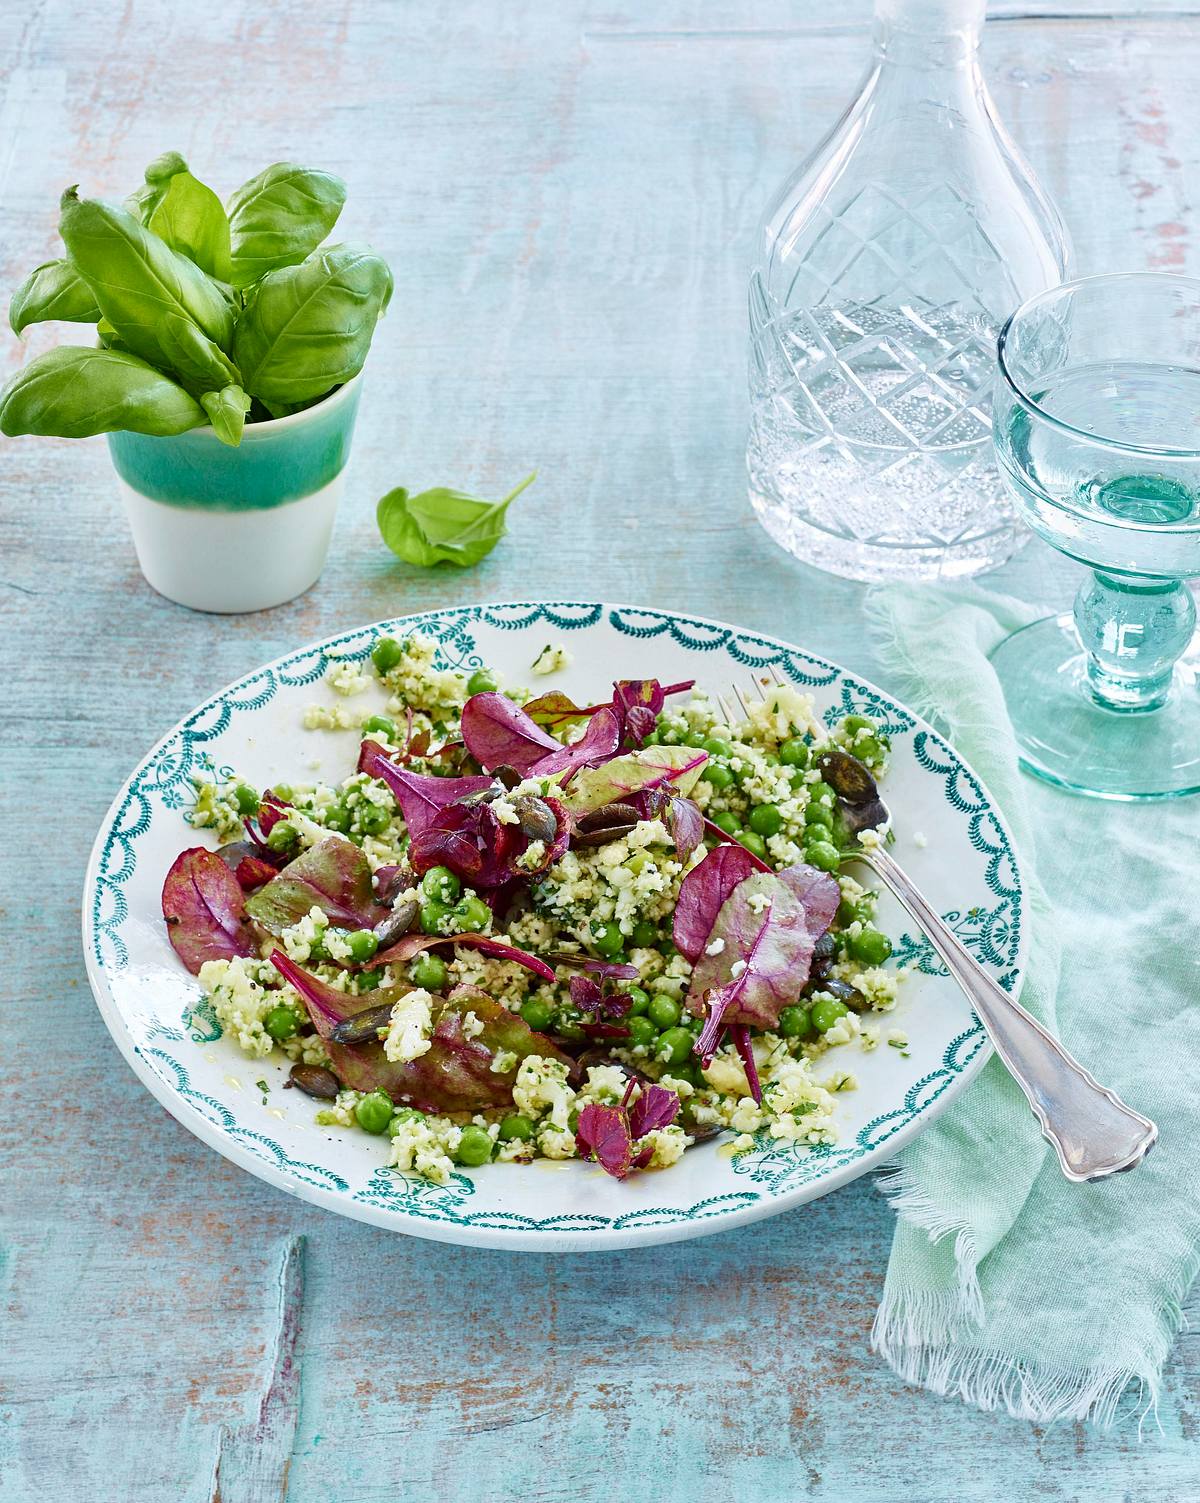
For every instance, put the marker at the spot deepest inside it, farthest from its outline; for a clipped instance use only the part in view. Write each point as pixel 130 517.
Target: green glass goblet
pixel 1096 423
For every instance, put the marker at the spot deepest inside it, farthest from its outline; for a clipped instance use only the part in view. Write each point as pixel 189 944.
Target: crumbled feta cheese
pixel 410 1026
pixel 541 1087
pixel 716 948
pixel 550 659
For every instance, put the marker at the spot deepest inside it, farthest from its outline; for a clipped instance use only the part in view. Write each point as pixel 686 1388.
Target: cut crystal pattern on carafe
pixel 889 263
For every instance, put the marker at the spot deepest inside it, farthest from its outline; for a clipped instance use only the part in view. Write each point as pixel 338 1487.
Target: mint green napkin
pixel 1008 1286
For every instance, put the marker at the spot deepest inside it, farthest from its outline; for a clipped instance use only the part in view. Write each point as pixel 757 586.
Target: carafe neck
pixel 928 33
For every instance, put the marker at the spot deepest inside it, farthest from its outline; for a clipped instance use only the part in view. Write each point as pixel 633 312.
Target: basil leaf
pixel 280 217
pixel 161 306
pixel 227 411
pixel 53 290
pixel 306 329
pixel 443 526
pixel 181 210
pixel 74 392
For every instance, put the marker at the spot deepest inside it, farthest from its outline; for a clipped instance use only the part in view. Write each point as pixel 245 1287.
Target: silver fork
pixel 1092 1130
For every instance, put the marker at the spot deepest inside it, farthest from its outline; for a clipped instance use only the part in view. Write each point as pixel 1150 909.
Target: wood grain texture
pixel 568 192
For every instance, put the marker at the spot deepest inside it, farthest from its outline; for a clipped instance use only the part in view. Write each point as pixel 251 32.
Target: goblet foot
pixel 1067 737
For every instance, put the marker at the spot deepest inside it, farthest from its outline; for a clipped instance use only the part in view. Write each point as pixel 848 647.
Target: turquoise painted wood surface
pixel 568 192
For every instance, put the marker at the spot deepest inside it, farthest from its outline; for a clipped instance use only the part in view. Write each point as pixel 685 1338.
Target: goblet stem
pixel 1133 631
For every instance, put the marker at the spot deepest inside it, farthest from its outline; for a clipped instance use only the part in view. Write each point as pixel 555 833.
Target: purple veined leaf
pixel 763 962
pixel 585 993
pixel 498 733
pixel 740 1035
pixel 557 709
pixel 817 890
pixel 333 876
pixel 422 799
pixel 603 1030
pixel 675 768
pixel 602 1135
pixel 655 1108
pixel 411 945
pixel 703 892
pixel 472 841
pixel 597 745
pixel 687 827
pixel 455 1074
pixel 618 970
pixel 724 838
pixel 203 905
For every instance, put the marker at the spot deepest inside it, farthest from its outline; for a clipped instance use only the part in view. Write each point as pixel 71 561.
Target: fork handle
pixel 1093 1132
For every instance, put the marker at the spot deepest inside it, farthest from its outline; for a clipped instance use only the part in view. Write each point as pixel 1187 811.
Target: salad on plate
pixel 524 928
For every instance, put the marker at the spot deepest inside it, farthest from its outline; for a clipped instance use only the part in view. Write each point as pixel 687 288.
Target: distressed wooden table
pixel 568 194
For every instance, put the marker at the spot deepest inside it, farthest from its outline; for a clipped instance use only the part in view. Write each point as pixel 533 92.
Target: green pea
pixel 824 855
pixel 338 817
pixel 245 799
pixel 726 822
pixel 794 752
pixel 441 884
pixel 374 1112
pixel 283 792
pixel 716 776
pixel 853 723
pixel 284 838
pixel 514 1127
pixel 795 1023
pixel 482 681
pixel 819 814
pixel 694 738
pixel 644 934
pixel 373 819
pixel 536 1013
pixel 402 1114
pixel 429 972
pixel 825 1012
pixel 380 725
pixel 433 917
pixel 472 914
pixel 641 1032
pixel 765 819
pixel 674 1046
pixel 715 747
pixel 281 1023
pixel 753 842
pixel 652 739
pixel 687 1070
pixel 667 949
pixel 870 946
pixel 474 1147
pixel 607 939
pixel 386 653
pixel 639 1001
pixel 663 1011
pixel 369 980
pixel 362 945
pixel 868 750
pixel 822 793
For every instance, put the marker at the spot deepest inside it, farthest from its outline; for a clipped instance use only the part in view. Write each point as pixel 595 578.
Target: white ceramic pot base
pixel 230 561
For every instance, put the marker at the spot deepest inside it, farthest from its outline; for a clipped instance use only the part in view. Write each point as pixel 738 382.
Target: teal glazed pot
pixel 226 530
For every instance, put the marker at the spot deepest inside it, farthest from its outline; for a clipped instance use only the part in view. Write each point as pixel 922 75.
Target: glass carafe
pixel 887 265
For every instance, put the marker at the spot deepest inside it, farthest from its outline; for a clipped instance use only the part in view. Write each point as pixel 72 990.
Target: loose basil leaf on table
pixel 227 411
pixel 279 218
pixel 306 329
pixel 184 212
pixel 443 525
pixel 162 307
pixel 74 392
pixel 54 290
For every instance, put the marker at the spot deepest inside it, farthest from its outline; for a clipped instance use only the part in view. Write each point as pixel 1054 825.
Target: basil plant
pixel 203 313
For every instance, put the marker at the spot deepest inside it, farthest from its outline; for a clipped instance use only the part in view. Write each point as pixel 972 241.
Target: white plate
pixel 154 1012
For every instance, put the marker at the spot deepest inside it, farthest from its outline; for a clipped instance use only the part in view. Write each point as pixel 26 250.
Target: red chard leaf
pixel 422 799
pixel 740 1035
pixel 763 962
pixel 602 1135
pixel 687 827
pixel 413 944
pixel 655 1108
pixel 333 876
pixel 499 733
pixel 703 891
pixel 597 745
pixel 675 768
pixel 202 903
